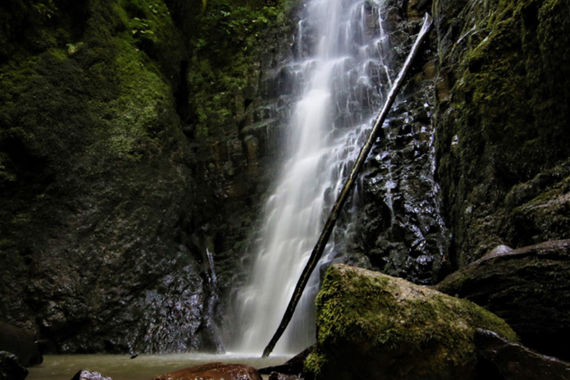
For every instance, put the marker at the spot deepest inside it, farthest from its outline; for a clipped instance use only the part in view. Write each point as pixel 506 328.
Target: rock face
pixel 101 247
pixel 526 287
pixel 399 229
pixel 502 115
pixel 20 343
pixel 135 142
pixel 372 325
pixel 214 371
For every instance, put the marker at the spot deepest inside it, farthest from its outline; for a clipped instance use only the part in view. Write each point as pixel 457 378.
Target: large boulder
pixel 213 371
pixel 371 325
pixel 528 287
pixel 20 343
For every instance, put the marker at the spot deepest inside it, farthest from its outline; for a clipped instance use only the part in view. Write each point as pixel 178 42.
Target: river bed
pixel 143 367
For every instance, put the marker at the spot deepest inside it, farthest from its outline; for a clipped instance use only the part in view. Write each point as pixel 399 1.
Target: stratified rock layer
pixel 372 325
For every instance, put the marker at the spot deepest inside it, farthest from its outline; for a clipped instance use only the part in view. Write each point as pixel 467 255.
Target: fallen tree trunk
pixel 333 216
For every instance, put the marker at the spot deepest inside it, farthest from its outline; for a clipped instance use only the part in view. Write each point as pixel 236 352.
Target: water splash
pixel 340 66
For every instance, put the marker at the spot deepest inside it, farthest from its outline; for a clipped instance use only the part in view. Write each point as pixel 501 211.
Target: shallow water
pixel 143 367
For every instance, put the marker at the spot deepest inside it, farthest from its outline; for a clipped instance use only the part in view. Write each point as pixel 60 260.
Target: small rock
pixel 86 375
pixel 10 368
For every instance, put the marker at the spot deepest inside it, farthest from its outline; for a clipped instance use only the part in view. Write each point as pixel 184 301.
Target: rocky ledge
pixel 528 287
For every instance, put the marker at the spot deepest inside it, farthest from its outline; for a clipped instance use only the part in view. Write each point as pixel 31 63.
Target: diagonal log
pixel 348 185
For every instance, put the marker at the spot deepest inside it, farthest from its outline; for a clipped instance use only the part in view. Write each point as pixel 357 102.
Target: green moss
pixel 508 107
pixel 367 314
pixel 226 44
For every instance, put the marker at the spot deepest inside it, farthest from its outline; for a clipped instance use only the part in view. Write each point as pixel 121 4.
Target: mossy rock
pixel 371 325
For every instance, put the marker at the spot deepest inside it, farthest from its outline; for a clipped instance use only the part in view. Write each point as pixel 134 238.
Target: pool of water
pixel 143 367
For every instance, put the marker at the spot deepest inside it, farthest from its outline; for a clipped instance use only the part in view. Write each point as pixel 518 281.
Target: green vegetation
pixel 225 48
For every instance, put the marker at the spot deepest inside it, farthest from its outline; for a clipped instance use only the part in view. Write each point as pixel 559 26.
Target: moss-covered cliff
pixel 96 177
pixel 122 164
pixel 502 122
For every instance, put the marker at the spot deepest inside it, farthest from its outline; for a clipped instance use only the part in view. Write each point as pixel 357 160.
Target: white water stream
pixel 340 55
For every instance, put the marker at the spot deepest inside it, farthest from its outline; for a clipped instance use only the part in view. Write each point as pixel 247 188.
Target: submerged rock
pixel 371 325
pixel 20 343
pixel 501 359
pixel 86 375
pixel 10 368
pixel 528 287
pixel 213 371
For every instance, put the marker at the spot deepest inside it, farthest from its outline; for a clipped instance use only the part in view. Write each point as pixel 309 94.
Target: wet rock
pixel 293 366
pixel 527 287
pixel 501 359
pixel 10 368
pixel 213 371
pixel 20 343
pixel 371 325
pixel 87 375
pixel 281 376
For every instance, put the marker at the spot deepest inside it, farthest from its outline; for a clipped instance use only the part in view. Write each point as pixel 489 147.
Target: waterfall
pixel 340 78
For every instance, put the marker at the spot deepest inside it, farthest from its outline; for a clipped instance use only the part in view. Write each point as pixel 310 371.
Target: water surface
pixel 121 367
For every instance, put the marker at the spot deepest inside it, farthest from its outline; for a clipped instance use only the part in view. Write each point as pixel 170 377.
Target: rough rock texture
pixel 100 241
pixel 214 371
pixel 502 122
pixel 10 368
pixel 20 343
pixel 528 288
pixel 136 140
pixel 371 325
pixel 502 360
pixel 399 228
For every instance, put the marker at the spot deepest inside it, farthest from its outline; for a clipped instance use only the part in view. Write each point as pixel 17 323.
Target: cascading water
pixel 341 75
